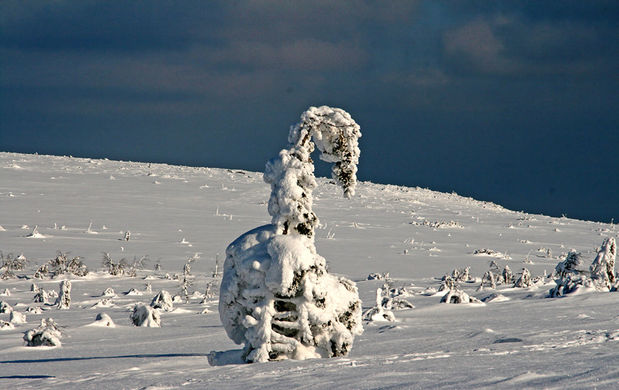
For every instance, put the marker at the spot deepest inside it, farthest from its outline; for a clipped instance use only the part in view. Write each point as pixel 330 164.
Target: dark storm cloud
pixel 500 100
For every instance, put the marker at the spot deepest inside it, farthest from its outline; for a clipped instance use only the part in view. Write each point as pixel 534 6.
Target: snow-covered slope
pixel 81 206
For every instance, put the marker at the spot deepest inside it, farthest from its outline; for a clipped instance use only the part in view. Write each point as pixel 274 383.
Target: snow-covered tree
pixel 603 266
pixel 145 316
pixel 507 275
pixel 276 296
pixel 46 334
pixel 41 296
pixel 64 298
pixel 524 280
pixel 572 264
pixel 488 280
pixel 571 275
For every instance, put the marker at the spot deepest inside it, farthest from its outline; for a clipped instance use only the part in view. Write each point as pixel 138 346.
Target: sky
pixel 513 102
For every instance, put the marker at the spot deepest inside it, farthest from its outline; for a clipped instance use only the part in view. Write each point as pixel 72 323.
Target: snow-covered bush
pixel 41 296
pixel 163 301
pixel 123 267
pixel 46 334
pixel 461 275
pixel 488 280
pixel 17 317
pixel 524 280
pixel 572 264
pixel 603 266
pixel 447 283
pixel 145 316
pixel 5 307
pixel 382 310
pixel 61 264
pixel 6 325
pixel 276 296
pixel 104 320
pixel 109 292
pixel 9 264
pixel 571 275
pixel 456 295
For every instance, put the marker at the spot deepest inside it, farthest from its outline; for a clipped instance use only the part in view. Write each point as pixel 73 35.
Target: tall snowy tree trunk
pixel 64 298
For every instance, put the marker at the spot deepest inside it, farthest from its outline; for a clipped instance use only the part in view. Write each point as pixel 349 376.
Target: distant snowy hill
pixel 516 338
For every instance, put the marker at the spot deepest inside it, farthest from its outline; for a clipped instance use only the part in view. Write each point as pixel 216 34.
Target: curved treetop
pixel 291 174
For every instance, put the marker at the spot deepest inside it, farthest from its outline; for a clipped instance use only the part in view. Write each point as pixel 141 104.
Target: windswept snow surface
pixel 523 340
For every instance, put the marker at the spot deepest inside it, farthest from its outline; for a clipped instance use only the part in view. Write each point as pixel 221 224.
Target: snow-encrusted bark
pixel 603 266
pixel 276 296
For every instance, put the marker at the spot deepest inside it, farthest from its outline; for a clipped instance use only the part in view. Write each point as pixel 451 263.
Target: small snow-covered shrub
pixel 123 267
pixel 488 280
pixel 163 301
pixel 145 316
pixel 41 272
pixel 5 325
pixel 5 307
pixel 61 264
pixel 34 310
pixel 47 334
pixel 382 310
pixel 571 276
pixel 461 275
pixel 41 296
pixel 603 266
pixel 17 318
pixel 377 276
pixel 276 296
pixel 134 291
pixel 524 280
pixel 9 264
pixel 570 284
pixel 64 298
pixel 572 264
pixel 447 283
pixel 103 320
pixel 456 295
pixel 492 253
pixel 109 292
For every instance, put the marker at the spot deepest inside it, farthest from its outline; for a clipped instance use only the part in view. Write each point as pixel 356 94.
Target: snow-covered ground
pixel 85 207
